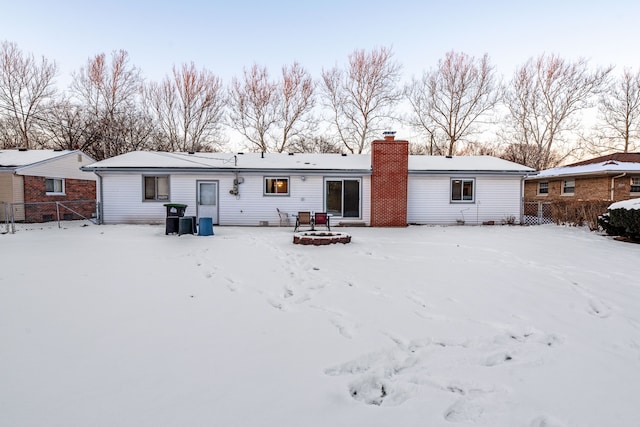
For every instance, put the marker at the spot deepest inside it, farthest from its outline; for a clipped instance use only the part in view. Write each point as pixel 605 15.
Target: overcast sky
pixel 225 36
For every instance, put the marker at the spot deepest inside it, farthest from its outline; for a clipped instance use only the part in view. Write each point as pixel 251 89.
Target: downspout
pixel 522 198
pixel 612 185
pixel 100 198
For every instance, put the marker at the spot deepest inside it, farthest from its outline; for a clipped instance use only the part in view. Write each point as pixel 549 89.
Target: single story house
pixel 612 177
pixel 32 181
pixel 385 188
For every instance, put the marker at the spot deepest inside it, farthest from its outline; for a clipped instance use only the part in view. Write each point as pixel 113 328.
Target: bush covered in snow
pixel 623 219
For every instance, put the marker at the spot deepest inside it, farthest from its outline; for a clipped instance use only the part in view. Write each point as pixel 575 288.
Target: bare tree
pixel 318 144
pixel 528 154
pixel 450 99
pixel 296 103
pixel 110 94
pixel 66 124
pixel 362 96
pixel 253 102
pixel 543 100
pixel 188 108
pixel 273 115
pixel 619 116
pixel 26 88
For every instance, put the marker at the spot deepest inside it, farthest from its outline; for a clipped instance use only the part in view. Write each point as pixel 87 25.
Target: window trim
pixel 55 193
pixel 156 197
pixel 637 184
pixel 564 187
pixel 462 200
pixel 276 178
pixel 540 192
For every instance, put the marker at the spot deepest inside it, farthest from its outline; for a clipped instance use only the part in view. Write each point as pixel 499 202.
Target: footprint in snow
pixel 475 405
pixel 598 308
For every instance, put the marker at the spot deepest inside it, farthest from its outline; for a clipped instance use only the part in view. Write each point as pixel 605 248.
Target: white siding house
pixel 239 181
pixel 248 189
pixel 496 199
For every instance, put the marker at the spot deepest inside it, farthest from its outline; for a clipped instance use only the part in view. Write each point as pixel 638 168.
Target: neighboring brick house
pixel 32 181
pixel 612 177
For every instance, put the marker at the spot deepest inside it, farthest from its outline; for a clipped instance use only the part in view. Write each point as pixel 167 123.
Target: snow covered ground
pixel 418 326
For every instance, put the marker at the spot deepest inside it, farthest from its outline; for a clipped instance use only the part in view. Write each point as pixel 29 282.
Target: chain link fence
pixel 42 212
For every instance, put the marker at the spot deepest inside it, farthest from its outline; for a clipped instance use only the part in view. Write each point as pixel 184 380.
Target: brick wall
pixel 590 188
pixel 390 163
pixel 80 195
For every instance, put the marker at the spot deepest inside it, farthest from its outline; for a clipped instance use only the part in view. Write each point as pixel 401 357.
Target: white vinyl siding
pixel 12 191
pixel 496 199
pixel 122 198
pixel 65 167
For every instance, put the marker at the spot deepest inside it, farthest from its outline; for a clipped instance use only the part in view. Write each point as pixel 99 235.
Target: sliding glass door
pixel 342 197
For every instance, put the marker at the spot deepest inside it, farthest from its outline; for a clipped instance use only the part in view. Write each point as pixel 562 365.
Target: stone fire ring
pixel 319 238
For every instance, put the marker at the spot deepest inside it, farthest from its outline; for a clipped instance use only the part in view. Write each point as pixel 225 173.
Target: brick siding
pixel 590 188
pixel 390 163
pixel 80 195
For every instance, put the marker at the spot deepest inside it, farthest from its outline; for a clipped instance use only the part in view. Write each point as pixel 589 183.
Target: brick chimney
pixel 390 164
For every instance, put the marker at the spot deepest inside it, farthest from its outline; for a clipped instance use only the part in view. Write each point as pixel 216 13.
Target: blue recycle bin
pixel 205 226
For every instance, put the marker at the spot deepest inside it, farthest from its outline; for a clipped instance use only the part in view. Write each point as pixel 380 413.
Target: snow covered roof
pixel 626 204
pixel 465 164
pixel 231 161
pixel 618 157
pixel 360 163
pixel 13 159
pixel 602 168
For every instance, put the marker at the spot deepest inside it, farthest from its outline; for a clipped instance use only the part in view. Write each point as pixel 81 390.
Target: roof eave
pixel 165 169
pixel 468 172
pixel 592 173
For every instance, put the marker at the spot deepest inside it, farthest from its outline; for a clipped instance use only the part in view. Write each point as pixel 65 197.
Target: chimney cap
pixel 389 135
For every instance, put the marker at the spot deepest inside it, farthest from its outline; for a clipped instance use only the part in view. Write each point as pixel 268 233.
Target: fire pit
pixel 319 238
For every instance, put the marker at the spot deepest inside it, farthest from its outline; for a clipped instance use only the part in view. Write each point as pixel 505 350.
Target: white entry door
pixel 208 200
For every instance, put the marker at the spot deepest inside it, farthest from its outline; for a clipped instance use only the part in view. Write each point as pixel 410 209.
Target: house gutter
pixel 613 178
pixel 468 172
pixel 164 169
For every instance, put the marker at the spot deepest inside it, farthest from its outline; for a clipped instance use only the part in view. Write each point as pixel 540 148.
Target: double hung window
pixel 569 186
pixel 543 188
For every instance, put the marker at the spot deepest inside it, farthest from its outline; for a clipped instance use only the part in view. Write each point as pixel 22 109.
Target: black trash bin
pixel 187 225
pixel 175 211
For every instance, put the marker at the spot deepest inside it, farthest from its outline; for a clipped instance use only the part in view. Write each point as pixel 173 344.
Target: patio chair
pixel 321 218
pixel 303 219
pixel 284 218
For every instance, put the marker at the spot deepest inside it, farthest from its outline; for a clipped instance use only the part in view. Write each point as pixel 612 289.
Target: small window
pixel 568 186
pixel 156 188
pixel 462 190
pixel 635 185
pixel 276 186
pixel 543 187
pixel 54 186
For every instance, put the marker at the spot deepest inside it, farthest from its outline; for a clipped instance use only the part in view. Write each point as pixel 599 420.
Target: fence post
pixel 58 214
